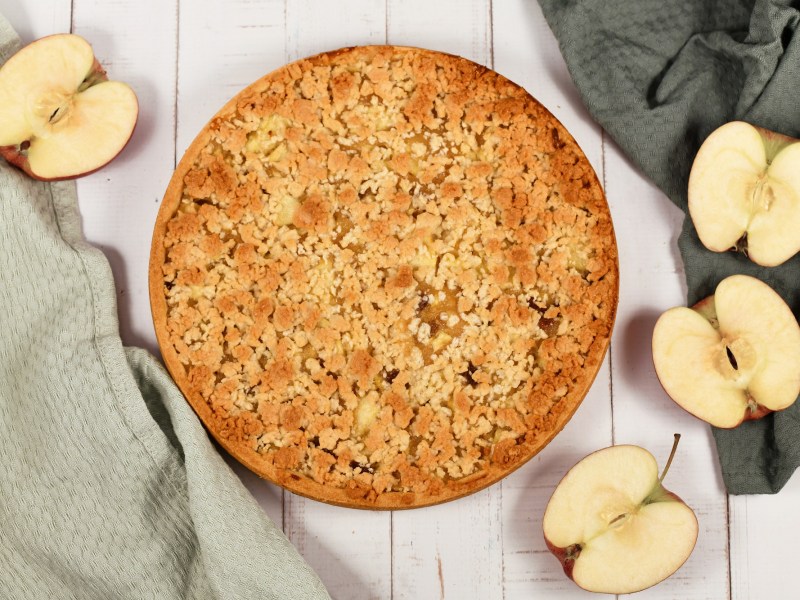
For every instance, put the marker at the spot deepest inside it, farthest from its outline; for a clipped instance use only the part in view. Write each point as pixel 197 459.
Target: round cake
pixel 384 277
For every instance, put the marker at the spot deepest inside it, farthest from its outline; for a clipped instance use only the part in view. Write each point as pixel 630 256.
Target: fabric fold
pixel 659 76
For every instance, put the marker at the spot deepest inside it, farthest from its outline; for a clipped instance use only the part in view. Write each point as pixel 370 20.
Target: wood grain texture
pixel 33 20
pixel 453 550
pixel 224 47
pixel 118 203
pixel 643 414
pixel 763 544
pixel 314 27
pixel 461 27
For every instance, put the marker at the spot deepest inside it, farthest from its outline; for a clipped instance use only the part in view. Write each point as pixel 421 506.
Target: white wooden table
pixel 185 58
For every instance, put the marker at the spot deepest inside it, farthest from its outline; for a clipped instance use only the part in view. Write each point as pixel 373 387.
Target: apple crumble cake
pixel 384 277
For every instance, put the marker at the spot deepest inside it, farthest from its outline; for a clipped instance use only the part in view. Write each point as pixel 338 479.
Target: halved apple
pixel 734 357
pixel 744 193
pixel 60 117
pixel 614 527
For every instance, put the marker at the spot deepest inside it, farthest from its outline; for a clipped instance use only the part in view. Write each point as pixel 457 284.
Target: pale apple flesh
pixel 744 193
pixel 59 116
pixel 614 527
pixel 733 357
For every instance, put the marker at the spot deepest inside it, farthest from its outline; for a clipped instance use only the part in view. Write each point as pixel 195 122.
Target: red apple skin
pixel 759 413
pixel 771 136
pixel 568 564
pixel 98 71
pixel 704 306
pixel 672 495
pixel 749 415
pixel 15 157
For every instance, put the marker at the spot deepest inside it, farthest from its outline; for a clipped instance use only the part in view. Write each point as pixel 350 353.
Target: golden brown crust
pixel 383 277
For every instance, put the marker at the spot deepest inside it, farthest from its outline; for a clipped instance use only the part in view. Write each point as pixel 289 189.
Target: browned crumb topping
pixel 387 271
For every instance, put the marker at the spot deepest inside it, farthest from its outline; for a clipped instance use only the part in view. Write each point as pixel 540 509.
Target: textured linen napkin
pixel 109 486
pixel 659 76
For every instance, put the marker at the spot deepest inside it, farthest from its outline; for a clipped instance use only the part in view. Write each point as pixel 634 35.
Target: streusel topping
pixel 387 272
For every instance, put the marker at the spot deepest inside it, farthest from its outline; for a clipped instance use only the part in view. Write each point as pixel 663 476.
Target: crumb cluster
pixel 388 271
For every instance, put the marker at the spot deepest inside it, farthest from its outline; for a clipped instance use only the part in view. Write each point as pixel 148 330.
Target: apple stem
pixel 671 456
pixel 741 245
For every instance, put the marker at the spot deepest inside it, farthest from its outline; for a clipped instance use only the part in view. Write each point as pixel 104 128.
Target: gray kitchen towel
pixel 660 76
pixel 109 485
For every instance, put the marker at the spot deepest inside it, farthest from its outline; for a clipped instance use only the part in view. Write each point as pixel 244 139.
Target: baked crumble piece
pixel 384 276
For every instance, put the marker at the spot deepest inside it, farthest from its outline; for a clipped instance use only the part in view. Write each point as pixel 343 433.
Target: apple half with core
pixel 60 117
pixel 734 356
pixel 744 193
pixel 614 527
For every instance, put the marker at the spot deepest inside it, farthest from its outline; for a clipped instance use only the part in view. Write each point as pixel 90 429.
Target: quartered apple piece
pixel 744 193
pixel 614 527
pixel 734 357
pixel 60 117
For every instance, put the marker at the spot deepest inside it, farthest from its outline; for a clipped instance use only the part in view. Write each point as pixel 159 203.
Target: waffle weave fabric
pixel 660 76
pixel 109 485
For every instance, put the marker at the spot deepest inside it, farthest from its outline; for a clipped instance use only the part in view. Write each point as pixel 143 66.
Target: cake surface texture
pixel 384 277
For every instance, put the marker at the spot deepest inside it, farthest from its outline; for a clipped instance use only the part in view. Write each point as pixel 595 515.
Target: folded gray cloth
pixel 109 486
pixel 659 76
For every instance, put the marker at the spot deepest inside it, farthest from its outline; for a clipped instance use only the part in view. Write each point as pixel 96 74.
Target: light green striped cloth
pixel 109 486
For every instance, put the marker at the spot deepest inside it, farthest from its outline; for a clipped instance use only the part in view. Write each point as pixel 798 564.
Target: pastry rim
pixel 298 483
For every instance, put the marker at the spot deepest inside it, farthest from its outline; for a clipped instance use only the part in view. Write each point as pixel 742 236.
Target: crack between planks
pixel 283 512
pixel 491 34
pixel 611 341
pixel 386 22
pixel 391 555
pixel 502 546
pixel 286 31
pixel 440 574
pixel 386 9
pixel 285 60
pixel 728 531
pixel 177 74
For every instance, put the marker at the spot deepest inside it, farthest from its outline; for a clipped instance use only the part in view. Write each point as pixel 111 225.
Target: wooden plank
pixel 459 27
pixel 526 52
pixel 453 550
pixel 643 414
pixel 119 205
pixel 764 544
pixel 33 20
pixel 223 47
pixel 530 570
pixel 313 27
pixel 350 550
pixel 436 551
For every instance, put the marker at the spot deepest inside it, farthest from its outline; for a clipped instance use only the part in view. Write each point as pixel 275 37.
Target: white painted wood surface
pixel 186 57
